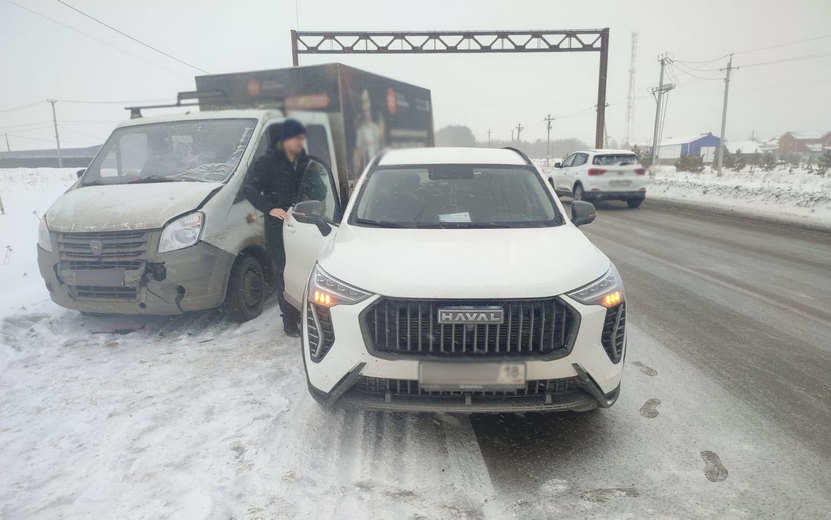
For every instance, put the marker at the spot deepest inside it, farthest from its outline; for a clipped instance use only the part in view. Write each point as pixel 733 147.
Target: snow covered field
pixel 196 417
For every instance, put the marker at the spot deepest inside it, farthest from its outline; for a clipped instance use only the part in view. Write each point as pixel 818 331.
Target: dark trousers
pixel 277 253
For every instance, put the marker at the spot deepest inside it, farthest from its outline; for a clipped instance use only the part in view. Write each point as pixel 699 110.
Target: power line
pixel 122 33
pixel 784 44
pixel 797 58
pixel 21 107
pixel 777 46
pixel 95 39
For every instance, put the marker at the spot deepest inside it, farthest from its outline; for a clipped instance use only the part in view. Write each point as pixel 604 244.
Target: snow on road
pixel 195 417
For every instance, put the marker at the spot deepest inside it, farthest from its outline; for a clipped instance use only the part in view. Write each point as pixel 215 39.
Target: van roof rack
pixel 199 95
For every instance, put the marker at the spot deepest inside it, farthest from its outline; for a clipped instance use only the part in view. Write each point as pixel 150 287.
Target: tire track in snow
pixel 349 461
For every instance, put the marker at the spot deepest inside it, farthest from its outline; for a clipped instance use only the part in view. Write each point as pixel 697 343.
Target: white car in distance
pixel 601 175
pixel 454 282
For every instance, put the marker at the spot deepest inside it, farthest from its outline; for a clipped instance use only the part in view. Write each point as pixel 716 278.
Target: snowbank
pixel 792 195
pixel 789 195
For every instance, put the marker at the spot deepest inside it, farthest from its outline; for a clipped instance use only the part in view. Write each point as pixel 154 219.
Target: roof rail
pixel 198 95
pixel 520 153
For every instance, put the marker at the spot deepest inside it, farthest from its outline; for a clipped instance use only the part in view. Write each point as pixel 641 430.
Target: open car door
pixel 306 232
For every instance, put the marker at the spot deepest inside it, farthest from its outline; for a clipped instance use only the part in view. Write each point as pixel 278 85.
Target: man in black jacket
pixel 272 187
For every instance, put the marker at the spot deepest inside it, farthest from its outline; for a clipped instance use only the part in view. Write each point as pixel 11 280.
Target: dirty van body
pixel 158 224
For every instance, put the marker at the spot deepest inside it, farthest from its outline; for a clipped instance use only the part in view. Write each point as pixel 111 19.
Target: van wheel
pixel 246 289
pixel 634 203
pixel 578 192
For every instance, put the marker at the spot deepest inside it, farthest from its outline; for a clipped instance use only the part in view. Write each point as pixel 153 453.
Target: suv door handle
pixel 289 227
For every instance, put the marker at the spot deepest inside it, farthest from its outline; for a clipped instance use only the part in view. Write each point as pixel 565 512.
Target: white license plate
pixel 470 376
pixel 620 183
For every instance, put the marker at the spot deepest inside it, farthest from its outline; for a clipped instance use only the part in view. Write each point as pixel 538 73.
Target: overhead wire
pixel 103 42
pixel 122 33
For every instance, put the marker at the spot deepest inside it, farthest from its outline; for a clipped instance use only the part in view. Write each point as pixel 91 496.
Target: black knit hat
pixel 291 128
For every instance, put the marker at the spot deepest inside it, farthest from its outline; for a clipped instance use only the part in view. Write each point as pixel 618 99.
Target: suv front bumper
pixel 584 379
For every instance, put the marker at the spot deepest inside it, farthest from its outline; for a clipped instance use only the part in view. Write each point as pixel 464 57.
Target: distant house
pixel 745 148
pixel 801 142
pixel 70 157
pixel 702 145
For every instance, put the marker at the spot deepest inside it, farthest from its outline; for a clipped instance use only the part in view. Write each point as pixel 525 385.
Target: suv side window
pixel 318 144
pixel 317 184
pixel 580 159
pixel 569 160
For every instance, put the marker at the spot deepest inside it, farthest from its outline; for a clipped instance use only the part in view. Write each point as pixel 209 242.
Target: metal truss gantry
pixel 463 42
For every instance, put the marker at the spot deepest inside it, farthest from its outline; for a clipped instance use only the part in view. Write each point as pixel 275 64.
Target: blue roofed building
pixel 702 145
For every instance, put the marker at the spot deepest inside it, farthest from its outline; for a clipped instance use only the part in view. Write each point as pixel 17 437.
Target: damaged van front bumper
pixel 115 273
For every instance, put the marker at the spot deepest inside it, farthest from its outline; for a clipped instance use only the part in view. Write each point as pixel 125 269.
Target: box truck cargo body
pixel 367 112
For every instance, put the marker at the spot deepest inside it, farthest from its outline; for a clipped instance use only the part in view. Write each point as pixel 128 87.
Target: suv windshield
pixel 201 151
pixel 615 159
pixel 456 195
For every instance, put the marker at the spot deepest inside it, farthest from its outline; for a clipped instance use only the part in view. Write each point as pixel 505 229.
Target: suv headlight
pixel 328 291
pixel 44 240
pixel 182 232
pixel 606 290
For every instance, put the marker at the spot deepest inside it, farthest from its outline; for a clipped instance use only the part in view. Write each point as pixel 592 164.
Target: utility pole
pixel 519 129
pixel 8 148
pixel 548 120
pixel 57 136
pixel 630 98
pixel 512 136
pixel 659 98
pixel 721 139
pixel 489 136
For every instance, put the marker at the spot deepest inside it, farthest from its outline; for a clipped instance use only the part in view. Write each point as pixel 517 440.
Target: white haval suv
pixel 454 282
pixel 601 175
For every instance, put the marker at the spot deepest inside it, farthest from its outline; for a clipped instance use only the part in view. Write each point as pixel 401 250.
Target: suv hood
pixel 464 263
pixel 125 206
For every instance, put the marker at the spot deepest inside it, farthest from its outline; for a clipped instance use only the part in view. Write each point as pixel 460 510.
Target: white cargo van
pixel 157 223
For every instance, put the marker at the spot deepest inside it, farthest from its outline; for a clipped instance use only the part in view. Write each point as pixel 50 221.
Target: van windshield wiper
pixel 377 223
pixel 152 178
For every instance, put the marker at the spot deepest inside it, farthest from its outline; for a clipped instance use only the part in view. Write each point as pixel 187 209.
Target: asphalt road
pixel 729 356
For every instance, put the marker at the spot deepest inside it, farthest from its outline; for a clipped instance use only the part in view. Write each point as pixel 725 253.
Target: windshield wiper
pixel 377 223
pixel 152 178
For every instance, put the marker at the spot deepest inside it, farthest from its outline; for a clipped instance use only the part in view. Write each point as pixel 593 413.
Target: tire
pixel 246 289
pixel 578 193
pixel 634 203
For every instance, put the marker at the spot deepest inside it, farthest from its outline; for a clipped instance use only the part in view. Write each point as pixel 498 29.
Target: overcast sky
pixel 42 59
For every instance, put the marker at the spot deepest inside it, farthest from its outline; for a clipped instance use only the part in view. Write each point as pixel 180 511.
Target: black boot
pixel 290 327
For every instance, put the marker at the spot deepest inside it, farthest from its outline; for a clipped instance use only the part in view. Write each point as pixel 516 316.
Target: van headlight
pixel 44 240
pixel 182 232
pixel 327 290
pixel 606 290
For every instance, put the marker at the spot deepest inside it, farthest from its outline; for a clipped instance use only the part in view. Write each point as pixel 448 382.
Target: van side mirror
pixel 558 165
pixel 582 212
pixel 80 172
pixel 311 212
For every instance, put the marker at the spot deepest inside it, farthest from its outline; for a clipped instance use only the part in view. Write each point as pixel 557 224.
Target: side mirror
pixel 558 165
pixel 80 172
pixel 582 212
pixel 311 212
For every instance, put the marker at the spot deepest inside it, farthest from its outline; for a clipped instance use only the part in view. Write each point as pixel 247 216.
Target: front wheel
pixel 578 192
pixel 246 289
pixel 634 203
